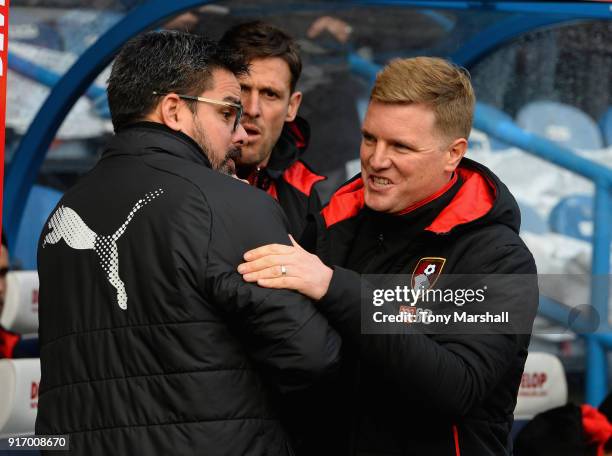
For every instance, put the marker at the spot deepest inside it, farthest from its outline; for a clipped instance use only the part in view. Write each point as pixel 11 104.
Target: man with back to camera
pixel 418 207
pixel 277 137
pixel 151 343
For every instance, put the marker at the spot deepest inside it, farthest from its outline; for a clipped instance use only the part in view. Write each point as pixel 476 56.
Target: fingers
pixel 295 244
pixel 263 263
pixel 270 249
pixel 288 283
pixel 267 273
pixel 235 176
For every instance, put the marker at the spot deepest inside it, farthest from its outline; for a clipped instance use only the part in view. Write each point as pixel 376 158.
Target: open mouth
pixel 252 131
pixel 379 182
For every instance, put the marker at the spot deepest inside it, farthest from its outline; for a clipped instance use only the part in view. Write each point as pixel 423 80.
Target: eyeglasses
pixel 229 104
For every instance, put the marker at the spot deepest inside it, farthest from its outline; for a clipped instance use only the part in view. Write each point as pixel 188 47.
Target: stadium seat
pixel 543 387
pixel 605 123
pixel 573 216
pixel 20 313
pixel 560 123
pixel 531 220
pixel 40 204
pixel 27 347
pixel 19 381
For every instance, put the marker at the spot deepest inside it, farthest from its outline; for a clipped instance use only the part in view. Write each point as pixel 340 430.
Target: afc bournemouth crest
pixel 426 272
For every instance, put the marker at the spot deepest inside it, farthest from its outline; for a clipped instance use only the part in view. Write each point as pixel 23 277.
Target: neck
pixel 245 171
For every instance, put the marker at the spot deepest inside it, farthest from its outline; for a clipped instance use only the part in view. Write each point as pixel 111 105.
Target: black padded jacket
pixel 408 393
pixel 151 342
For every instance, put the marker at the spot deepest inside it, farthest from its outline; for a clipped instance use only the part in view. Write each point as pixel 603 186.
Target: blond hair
pixel 435 82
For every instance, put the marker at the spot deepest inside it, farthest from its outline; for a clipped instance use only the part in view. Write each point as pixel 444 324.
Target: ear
pixel 294 104
pixel 456 150
pixel 171 111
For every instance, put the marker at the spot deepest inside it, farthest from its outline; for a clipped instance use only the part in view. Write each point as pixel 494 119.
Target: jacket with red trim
pixel 288 179
pixel 414 394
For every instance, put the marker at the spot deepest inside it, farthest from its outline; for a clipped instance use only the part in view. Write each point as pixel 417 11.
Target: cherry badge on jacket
pixel 426 272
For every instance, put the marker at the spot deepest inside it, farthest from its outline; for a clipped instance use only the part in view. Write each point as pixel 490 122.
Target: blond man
pixel 420 208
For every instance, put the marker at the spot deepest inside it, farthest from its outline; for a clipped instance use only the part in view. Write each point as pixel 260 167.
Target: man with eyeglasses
pixel 277 138
pixel 151 343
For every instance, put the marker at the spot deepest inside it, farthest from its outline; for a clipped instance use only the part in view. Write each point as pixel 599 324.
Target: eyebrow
pixel 403 143
pixel 272 89
pixel 232 99
pixel 365 132
pixel 264 87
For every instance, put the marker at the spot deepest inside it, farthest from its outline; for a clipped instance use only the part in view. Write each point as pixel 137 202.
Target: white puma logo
pixel 67 224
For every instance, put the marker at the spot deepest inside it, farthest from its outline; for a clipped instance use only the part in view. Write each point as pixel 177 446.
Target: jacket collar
pixel 142 138
pixel 290 147
pixel 416 218
pixel 477 195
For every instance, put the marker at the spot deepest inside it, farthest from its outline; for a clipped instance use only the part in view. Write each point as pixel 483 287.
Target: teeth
pixel 381 180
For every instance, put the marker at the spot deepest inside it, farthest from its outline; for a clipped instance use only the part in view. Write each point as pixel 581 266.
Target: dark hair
pixel 164 62
pixel 261 40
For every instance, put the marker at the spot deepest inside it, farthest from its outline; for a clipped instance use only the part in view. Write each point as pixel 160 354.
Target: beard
pixel 225 164
pixel 228 164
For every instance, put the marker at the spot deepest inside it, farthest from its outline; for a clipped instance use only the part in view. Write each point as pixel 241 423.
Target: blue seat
pixel 40 204
pixel 530 220
pixel 27 347
pixel 560 123
pixel 605 124
pixel 573 216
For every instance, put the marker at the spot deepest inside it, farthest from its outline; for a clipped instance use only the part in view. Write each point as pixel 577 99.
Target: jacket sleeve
pixel 452 372
pixel 283 331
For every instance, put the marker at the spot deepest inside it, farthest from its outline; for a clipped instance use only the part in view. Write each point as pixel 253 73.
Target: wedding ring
pixel 283 270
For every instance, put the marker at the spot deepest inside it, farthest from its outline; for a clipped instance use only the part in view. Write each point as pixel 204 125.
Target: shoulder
pixel 497 249
pixel 345 203
pixel 302 177
pixel 226 199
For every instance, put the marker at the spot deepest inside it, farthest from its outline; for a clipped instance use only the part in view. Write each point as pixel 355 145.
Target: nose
pixel 250 103
pixel 240 136
pixel 380 158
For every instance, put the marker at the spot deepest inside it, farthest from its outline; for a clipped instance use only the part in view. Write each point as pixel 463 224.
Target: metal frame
pixel 34 145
